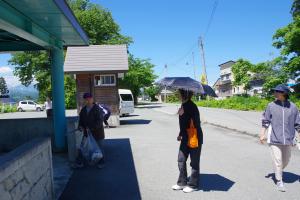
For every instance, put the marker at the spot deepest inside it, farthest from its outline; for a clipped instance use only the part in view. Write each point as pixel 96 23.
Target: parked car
pixel 28 105
pixel 126 102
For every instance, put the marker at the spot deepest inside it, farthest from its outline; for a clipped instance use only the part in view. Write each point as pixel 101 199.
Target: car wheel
pixel 20 109
pixel 38 109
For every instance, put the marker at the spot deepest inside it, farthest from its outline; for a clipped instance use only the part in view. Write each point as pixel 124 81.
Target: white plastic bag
pixel 269 132
pixel 90 149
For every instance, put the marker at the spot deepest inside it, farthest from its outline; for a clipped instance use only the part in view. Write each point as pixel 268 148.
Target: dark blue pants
pixel 184 153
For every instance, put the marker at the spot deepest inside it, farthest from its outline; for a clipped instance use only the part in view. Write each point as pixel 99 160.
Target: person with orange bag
pixel 191 137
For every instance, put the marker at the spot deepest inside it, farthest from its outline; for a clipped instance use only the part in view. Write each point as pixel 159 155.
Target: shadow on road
pixel 134 121
pixel 129 116
pixel 148 107
pixel 118 180
pixel 214 182
pixel 288 177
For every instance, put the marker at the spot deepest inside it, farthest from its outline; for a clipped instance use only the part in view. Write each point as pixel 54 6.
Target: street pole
pixel 203 58
pixel 166 68
pixel 194 66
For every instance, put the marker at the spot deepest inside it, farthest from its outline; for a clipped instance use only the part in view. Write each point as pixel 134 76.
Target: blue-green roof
pixel 38 24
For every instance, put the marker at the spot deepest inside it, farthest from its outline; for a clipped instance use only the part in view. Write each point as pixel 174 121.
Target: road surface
pixel 141 163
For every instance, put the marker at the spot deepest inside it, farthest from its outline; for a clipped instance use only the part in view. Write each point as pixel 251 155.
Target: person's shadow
pixel 287 177
pixel 214 182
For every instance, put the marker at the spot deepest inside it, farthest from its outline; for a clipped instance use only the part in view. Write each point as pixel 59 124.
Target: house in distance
pixel 97 69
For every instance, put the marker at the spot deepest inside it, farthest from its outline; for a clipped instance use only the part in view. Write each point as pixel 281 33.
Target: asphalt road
pixel 141 163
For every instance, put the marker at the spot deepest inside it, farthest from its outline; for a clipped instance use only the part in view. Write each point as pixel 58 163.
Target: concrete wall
pixel 26 172
pixel 15 132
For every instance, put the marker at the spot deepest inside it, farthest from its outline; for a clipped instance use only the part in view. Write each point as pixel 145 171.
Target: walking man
pixel 91 117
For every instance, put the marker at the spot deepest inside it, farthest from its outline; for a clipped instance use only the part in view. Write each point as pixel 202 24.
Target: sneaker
pixel 77 165
pixel 177 187
pixel 189 189
pixel 280 186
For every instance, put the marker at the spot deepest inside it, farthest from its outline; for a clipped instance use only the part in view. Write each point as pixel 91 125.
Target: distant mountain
pixel 21 92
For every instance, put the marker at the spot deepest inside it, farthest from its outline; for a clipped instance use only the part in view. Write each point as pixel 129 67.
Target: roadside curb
pixel 232 129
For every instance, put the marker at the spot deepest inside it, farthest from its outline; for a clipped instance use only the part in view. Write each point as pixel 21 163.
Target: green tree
pixel 241 73
pixel 35 65
pixel 70 92
pixel 271 73
pixel 287 39
pixel 152 91
pixel 98 23
pixel 3 86
pixel 140 75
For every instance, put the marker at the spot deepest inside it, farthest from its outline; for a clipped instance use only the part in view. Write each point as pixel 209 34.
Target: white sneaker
pixel 189 189
pixel 177 187
pixel 280 186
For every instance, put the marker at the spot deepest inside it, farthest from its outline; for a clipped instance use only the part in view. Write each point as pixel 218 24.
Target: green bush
pixel 242 103
pixel 173 99
pixel 8 109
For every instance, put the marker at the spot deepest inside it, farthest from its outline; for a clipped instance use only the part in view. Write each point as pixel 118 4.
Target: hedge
pixel 238 103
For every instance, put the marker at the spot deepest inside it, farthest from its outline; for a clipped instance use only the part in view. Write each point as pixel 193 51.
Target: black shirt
pixel 190 112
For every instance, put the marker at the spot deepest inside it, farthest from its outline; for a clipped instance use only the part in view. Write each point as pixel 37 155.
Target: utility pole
pixel 201 46
pixel 194 66
pixel 166 68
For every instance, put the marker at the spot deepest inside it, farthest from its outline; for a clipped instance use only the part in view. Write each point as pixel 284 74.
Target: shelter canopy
pixel 37 25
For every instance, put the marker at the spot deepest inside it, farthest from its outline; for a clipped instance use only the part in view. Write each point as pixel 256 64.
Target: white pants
pixel 281 155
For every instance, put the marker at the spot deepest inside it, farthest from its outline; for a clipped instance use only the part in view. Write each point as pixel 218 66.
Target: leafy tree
pixel 70 92
pixel 287 39
pixel 241 73
pixel 140 75
pixel 3 86
pixel 152 91
pixel 296 8
pixel 271 73
pixel 35 65
pixel 98 23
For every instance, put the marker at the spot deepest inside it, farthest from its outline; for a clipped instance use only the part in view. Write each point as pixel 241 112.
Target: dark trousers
pixel 49 113
pixel 184 153
pixel 106 117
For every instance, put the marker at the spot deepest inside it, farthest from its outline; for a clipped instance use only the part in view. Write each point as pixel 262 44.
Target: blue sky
pixel 166 31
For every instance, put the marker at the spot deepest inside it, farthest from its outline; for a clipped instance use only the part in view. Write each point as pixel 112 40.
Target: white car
pixel 28 105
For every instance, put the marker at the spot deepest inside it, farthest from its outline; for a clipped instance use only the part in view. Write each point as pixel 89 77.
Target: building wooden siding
pixel 102 94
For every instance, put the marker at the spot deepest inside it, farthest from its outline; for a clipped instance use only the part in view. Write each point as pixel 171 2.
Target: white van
pixel 126 102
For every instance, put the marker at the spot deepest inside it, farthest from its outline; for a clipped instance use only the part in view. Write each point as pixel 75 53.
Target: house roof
pixel 96 58
pixel 230 61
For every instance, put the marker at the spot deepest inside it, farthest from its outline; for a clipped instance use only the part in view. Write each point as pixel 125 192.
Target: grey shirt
pixel 284 117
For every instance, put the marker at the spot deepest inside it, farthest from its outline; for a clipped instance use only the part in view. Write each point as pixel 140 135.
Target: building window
pixel 105 80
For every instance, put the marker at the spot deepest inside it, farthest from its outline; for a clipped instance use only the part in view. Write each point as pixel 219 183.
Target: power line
pixel 211 17
pixel 184 56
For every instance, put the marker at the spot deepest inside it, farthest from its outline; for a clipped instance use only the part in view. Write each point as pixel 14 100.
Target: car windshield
pixel 126 97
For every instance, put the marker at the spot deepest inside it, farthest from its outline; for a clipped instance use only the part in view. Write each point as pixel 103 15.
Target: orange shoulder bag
pixel 192 136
